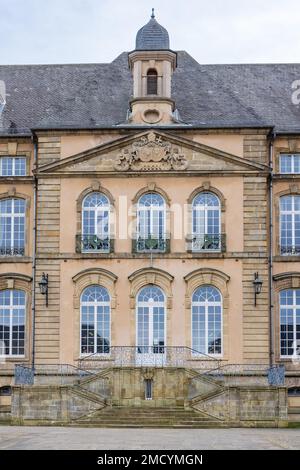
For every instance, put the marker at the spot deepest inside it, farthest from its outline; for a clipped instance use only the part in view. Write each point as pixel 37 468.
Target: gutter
pixel 34 234
pixel 271 290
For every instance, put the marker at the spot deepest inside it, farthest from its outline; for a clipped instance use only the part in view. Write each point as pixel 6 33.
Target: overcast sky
pixel 217 31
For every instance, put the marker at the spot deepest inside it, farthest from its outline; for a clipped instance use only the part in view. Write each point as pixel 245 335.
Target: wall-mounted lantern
pixel 43 284
pixel 257 286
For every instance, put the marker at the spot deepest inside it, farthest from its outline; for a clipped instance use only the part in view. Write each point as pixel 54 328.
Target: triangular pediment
pixel 152 152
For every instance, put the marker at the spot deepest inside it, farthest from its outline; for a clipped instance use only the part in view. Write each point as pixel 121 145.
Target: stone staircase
pixel 142 417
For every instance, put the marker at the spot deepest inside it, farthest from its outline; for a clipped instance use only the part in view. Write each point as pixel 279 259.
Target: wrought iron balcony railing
pixel 290 250
pixel 93 244
pixel 12 251
pixel 207 242
pixel 154 356
pixel 153 243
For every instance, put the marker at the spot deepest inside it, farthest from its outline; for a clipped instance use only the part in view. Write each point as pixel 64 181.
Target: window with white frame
pixel 290 323
pixel 150 321
pixel 12 227
pixel 151 222
pixel 12 322
pixel 13 166
pixel 95 223
pixel 207 321
pixel 95 321
pixel 206 222
pixel 290 225
pixel 289 163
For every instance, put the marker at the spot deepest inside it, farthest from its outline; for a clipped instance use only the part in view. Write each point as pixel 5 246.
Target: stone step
pixel 148 417
pixel 145 420
pixel 212 424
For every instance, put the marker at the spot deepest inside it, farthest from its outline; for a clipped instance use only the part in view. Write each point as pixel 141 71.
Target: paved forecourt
pixel 98 439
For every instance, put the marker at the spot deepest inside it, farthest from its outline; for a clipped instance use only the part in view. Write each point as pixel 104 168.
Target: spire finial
pixel 153 15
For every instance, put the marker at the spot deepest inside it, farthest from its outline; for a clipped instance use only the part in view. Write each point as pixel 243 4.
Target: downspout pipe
pixel 271 233
pixel 34 236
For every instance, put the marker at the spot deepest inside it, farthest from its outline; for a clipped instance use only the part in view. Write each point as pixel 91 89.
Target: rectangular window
pixel 290 323
pixel 289 163
pixel 12 166
pixel 12 323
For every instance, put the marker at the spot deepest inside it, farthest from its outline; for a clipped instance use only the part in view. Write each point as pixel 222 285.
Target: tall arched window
pixel 206 222
pixel 95 320
pixel 289 322
pixel 12 227
pixel 151 223
pixel 12 322
pixel 290 225
pixel 152 82
pixel 150 321
pixel 95 223
pixel 207 320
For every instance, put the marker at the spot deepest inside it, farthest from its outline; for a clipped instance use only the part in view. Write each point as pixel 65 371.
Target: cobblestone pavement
pixel 109 439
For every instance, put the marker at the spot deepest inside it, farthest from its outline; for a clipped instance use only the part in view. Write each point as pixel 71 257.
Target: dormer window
pixel 152 82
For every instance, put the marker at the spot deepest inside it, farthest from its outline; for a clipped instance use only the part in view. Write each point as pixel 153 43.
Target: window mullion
pixel 95 328
pixel 294 332
pixel 293 223
pixel 10 322
pixel 12 225
pixel 206 327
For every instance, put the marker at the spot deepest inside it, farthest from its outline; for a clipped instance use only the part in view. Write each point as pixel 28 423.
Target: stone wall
pixel 51 404
pixel 237 406
pixel 255 318
pixel 47 325
pixel 247 406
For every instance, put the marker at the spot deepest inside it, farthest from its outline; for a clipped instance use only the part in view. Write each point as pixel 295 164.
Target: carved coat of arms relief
pixel 151 153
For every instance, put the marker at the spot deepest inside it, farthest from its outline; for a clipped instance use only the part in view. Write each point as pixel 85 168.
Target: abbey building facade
pixel 151 203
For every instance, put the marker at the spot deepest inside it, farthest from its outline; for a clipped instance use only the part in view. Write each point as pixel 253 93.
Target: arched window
pixel 12 227
pixel 150 321
pixel 151 223
pixel 12 322
pixel 152 82
pixel 290 322
pixel 95 320
pixel 95 223
pixel 206 222
pixel 207 320
pixel 290 225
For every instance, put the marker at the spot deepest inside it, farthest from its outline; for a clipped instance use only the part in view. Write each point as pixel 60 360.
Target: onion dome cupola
pixel 152 37
pixel 152 64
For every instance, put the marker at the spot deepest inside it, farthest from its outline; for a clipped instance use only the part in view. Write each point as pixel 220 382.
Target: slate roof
pixel 152 37
pixel 98 95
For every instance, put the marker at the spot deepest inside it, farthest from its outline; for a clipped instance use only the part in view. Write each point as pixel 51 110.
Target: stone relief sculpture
pixel 151 153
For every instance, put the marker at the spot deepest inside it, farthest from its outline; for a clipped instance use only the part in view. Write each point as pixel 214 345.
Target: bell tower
pixel 152 64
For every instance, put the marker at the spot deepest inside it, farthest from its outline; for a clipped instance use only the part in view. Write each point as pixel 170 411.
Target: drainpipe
pixel 271 291
pixel 35 146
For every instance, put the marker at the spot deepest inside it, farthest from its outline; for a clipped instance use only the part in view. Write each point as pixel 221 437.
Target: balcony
pixel 290 250
pixel 207 243
pixel 151 244
pixel 93 244
pixel 12 251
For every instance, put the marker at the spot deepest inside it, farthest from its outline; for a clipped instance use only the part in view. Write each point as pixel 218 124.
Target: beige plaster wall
pixel 123 325
pixel 73 144
pixel 230 143
pixel 231 188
